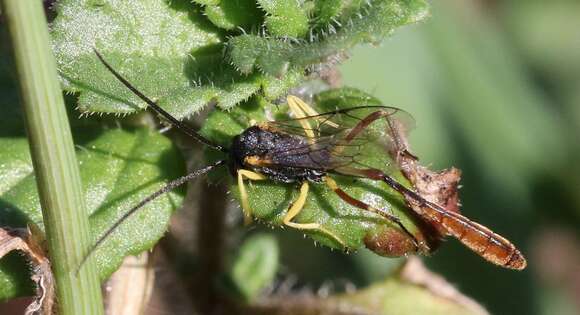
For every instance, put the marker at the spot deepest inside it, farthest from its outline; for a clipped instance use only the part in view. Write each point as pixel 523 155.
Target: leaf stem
pixel 55 164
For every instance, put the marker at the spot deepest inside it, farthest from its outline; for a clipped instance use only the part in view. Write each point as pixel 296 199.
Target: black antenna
pixel 170 186
pixel 178 124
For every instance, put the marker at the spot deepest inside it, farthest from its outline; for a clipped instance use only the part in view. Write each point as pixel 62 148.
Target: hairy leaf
pixel 232 14
pixel 118 169
pixel 166 48
pixel 285 18
pixel 370 24
pixel 327 10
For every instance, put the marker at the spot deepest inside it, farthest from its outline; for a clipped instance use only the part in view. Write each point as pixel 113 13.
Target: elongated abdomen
pixel 489 245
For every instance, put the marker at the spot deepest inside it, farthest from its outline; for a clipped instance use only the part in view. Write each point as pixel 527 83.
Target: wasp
pixel 311 148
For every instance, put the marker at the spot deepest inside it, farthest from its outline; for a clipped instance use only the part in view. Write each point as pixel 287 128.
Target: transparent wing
pixel 339 138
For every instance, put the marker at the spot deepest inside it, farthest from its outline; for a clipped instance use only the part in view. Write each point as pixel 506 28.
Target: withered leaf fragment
pixel 29 241
pixel 436 201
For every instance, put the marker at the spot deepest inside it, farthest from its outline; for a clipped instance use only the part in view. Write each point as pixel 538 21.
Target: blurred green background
pixel 494 87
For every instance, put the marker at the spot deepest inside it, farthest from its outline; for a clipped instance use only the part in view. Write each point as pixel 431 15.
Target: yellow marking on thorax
pixel 255 160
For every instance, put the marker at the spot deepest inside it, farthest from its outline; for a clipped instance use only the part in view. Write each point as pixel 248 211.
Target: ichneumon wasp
pixel 312 148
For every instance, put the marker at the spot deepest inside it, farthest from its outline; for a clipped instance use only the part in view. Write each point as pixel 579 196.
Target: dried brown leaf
pixel 30 242
pixel 440 187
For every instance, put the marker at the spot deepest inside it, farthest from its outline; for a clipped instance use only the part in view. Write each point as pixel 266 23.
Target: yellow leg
pixel 296 108
pixel 296 101
pixel 244 194
pixel 295 209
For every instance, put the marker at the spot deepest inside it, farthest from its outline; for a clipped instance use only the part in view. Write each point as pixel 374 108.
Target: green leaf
pixel 255 266
pixel 345 97
pixel 270 200
pixel 370 24
pixel 326 10
pixel 396 296
pixel 232 14
pixel 170 51
pixel 167 49
pixel 118 169
pixel 14 280
pixel 207 2
pixel 285 18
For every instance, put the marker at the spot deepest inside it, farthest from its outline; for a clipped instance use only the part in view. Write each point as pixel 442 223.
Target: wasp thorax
pixel 280 156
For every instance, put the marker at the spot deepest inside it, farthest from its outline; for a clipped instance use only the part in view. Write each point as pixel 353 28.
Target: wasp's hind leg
pixel 298 105
pixel 244 194
pixel 295 209
pixel 297 108
pixel 361 205
pixel 301 109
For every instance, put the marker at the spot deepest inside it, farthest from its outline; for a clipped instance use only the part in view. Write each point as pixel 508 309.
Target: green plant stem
pixel 55 165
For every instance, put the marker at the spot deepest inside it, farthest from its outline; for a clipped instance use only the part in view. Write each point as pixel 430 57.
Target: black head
pixel 253 141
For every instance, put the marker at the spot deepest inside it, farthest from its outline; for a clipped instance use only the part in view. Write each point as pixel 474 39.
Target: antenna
pixel 178 124
pixel 170 186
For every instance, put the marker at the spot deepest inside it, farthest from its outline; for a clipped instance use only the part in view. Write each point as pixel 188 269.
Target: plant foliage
pixel 186 55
